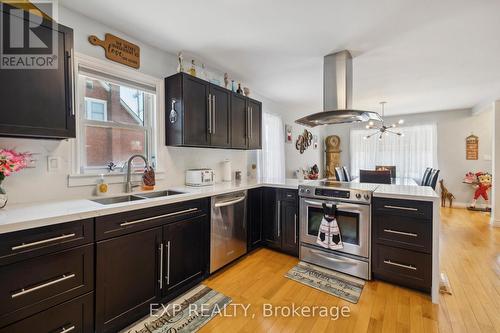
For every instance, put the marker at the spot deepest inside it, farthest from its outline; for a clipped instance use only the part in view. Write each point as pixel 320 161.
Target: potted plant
pixel 10 162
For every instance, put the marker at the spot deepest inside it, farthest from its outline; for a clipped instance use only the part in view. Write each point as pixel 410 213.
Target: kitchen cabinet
pixel 153 254
pixel 38 103
pixel 201 114
pixel 280 222
pixel 197 114
pixel 186 245
pixel 254 218
pixel 127 278
pixel 255 124
pixel 402 242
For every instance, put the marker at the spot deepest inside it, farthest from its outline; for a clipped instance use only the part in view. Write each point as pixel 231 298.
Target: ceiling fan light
pixel 371 123
pixel 401 121
pixel 393 125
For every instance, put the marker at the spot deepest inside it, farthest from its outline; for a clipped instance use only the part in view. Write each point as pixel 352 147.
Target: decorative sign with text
pixel 472 147
pixel 118 50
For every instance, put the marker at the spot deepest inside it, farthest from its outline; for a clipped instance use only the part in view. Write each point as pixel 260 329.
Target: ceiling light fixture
pixel 382 128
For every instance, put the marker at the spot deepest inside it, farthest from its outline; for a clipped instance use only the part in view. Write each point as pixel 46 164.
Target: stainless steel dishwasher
pixel 228 236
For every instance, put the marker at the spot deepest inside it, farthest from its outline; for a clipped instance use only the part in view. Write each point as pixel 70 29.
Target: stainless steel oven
pixel 353 215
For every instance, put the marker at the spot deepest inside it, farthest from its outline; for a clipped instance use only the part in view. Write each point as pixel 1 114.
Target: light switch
pixel 53 163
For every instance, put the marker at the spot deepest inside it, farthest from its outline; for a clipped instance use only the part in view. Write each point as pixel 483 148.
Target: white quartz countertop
pixel 408 192
pixel 32 215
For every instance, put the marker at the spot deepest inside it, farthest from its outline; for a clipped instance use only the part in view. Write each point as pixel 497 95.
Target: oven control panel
pixel 333 193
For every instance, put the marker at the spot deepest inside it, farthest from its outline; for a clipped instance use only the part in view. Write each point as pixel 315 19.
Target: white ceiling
pixel 418 55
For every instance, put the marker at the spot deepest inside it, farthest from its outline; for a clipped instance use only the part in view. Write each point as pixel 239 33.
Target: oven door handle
pixel 339 205
pixel 343 261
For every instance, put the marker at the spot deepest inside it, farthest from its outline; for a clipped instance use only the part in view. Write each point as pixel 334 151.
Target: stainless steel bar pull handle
pixel 209 114
pixel 251 123
pixel 279 218
pixel 160 280
pixel 168 263
pixel 43 285
pixel 229 203
pixel 411 234
pixel 68 329
pixel 295 228
pixel 124 224
pixel 43 241
pixel 389 262
pixel 401 208
pixel 214 119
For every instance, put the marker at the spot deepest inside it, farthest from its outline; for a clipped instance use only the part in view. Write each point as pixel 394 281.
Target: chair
pixel 391 168
pixel 377 177
pixel 339 174
pixel 425 176
pixel 432 179
pixel 346 174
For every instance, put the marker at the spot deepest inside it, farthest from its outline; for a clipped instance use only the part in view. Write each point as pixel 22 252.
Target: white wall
pixel 37 184
pixel 495 196
pixel 453 127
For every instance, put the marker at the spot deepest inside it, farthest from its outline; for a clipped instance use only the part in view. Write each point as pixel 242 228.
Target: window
pixel 271 159
pixel 411 153
pixel 118 120
pixel 96 109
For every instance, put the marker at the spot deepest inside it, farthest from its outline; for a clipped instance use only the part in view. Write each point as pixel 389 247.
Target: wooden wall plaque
pixel 119 50
pixel 472 147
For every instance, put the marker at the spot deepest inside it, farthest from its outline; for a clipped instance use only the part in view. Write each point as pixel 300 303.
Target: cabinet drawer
pixel 288 194
pixel 33 285
pixel 399 207
pixel 20 245
pixel 75 316
pixel 403 231
pixel 403 267
pixel 127 222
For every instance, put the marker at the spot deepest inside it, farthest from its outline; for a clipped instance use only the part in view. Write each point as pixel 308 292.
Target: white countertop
pixel 26 216
pixel 408 192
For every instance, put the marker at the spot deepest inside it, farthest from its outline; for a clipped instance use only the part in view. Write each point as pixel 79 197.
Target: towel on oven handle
pixel 329 235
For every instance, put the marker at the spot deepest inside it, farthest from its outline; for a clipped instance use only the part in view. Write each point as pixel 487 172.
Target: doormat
pixel 188 313
pixel 337 284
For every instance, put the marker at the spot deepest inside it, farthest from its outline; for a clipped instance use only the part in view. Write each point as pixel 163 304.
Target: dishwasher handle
pixel 229 202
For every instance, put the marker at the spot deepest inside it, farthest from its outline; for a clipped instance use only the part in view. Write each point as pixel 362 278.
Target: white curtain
pixel 271 159
pixel 411 153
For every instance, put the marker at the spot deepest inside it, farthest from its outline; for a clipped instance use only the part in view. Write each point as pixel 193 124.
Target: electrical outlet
pixel 53 163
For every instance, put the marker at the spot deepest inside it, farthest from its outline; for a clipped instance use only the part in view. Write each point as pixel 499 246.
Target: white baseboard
pixel 465 205
pixel 495 223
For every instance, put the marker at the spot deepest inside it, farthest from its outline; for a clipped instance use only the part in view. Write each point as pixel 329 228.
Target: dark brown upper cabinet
pixel 38 103
pixel 201 114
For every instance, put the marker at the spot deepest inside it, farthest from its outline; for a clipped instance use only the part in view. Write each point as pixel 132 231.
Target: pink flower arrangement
pixel 12 161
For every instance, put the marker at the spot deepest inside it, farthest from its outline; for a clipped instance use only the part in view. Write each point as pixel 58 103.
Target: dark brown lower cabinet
pixel 254 218
pixel 402 242
pixel 280 219
pixel 75 316
pixel 185 253
pixel 127 278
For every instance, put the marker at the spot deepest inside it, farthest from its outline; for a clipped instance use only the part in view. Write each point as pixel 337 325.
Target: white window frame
pixel 89 100
pixel 154 121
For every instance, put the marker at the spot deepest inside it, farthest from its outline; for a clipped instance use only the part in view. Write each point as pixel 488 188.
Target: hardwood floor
pixel 470 256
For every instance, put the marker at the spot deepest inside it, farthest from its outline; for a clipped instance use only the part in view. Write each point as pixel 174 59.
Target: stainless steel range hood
pixel 337 94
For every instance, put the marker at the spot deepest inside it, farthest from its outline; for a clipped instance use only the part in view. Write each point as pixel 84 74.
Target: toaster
pixel 200 177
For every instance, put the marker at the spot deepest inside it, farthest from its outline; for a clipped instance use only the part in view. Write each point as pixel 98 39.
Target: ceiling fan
pixel 382 128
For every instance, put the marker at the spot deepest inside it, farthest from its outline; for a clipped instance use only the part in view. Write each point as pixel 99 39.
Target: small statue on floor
pixel 445 195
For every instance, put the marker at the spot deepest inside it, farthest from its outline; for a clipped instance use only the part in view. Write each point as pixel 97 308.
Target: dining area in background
pixel 387 175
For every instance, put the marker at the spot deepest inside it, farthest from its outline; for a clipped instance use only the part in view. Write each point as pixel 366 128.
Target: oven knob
pixel 367 197
pixel 308 191
pixel 358 195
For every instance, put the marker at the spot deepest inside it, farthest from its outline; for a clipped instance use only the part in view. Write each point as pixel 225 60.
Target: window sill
pixel 77 180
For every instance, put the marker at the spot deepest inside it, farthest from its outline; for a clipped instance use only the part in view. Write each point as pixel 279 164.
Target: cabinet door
pixel 185 249
pixel 254 218
pixel 255 120
pixel 196 117
pixel 38 103
pixel 271 210
pixel 290 228
pixel 239 119
pixel 127 278
pixel 220 134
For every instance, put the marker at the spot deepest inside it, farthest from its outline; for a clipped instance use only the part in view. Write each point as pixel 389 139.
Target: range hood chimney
pixel 337 94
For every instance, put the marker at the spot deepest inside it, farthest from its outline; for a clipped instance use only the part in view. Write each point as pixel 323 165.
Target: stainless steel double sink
pixel 136 197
